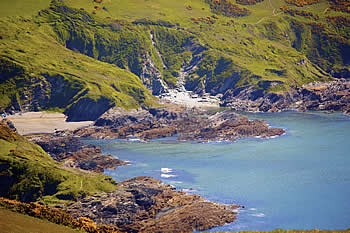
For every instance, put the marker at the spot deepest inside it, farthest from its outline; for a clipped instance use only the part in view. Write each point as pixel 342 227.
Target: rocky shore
pixel 141 204
pixel 186 124
pixel 328 96
pixel 63 147
pixel 144 204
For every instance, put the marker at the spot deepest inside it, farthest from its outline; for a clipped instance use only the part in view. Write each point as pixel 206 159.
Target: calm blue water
pixel 297 181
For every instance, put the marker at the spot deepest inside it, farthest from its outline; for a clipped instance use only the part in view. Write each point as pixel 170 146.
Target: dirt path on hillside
pixel 273 13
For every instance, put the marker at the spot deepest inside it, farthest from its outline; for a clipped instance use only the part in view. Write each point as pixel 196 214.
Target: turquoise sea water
pixel 300 180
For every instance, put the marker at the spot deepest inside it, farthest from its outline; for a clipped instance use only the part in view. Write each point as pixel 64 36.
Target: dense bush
pixel 248 2
pixel 54 215
pixel 340 5
pixel 302 3
pixel 294 12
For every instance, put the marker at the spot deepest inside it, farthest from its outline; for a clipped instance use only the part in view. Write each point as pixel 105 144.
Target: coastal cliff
pixel 319 96
pixel 103 60
pixel 83 58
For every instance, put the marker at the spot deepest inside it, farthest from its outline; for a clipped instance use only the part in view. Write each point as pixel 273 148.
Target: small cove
pixel 300 180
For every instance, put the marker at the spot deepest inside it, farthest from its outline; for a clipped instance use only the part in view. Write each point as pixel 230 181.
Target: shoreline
pixel 139 204
pixel 131 184
pixel 44 123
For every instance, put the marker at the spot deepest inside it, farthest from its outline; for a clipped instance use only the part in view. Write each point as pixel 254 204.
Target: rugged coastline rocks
pixel 141 204
pixel 144 204
pixel 64 147
pixel 329 96
pixel 187 124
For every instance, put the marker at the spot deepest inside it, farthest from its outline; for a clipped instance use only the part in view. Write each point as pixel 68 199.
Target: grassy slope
pixel 22 7
pixel 37 176
pixel 247 41
pixel 34 47
pixel 256 43
pixel 244 41
pixel 12 222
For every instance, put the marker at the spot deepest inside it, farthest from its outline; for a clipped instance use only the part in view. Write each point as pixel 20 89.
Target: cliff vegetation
pixel 84 57
pixel 27 173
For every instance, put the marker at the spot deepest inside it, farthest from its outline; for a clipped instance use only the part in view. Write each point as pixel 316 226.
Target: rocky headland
pixel 318 96
pixel 144 204
pixel 63 147
pixel 186 124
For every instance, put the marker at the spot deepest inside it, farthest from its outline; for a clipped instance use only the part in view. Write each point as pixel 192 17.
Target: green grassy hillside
pixel 38 72
pixel 22 7
pixel 85 55
pixel 27 173
pixel 268 38
pixel 12 222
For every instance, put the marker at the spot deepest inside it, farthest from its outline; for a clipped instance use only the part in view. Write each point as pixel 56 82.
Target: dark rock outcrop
pixel 151 76
pixel 64 147
pixel 329 96
pixel 158 87
pixel 87 109
pixel 187 124
pixel 144 204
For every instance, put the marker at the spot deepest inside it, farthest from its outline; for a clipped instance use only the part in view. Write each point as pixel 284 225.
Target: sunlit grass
pixel 22 7
pixel 12 222
pixel 34 171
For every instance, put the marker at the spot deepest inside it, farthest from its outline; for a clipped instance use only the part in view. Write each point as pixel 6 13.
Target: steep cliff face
pixel 204 48
pixel 214 74
pixel 329 96
pixel 38 72
pixel 328 50
pixel 20 91
pixel 86 109
pixel 41 92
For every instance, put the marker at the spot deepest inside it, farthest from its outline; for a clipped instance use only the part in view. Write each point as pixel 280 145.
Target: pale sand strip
pixel 43 122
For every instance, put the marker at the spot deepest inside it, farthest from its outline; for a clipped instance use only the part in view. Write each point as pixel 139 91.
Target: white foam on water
pixel 167 176
pixel 166 170
pixel 259 215
pixel 189 190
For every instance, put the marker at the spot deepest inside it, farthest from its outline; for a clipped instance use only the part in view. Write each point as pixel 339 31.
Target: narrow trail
pixel 273 8
pixel 273 14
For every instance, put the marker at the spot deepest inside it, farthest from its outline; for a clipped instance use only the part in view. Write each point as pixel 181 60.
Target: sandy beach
pixel 43 122
pixel 49 122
